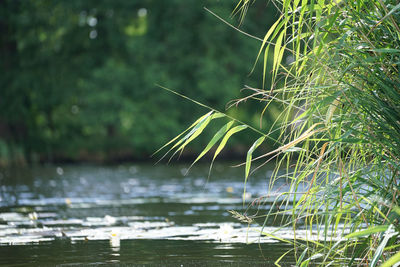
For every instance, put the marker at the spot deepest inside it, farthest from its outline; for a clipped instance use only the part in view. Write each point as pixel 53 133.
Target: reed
pixel 340 125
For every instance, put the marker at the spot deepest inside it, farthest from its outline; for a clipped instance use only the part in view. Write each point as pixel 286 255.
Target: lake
pixel 136 214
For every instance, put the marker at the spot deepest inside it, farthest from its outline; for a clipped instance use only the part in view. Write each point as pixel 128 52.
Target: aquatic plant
pixel 335 72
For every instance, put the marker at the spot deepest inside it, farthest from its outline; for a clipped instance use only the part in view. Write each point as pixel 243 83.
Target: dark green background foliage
pixel 78 77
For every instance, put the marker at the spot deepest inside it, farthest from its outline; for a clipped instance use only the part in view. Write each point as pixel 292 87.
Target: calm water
pixel 133 214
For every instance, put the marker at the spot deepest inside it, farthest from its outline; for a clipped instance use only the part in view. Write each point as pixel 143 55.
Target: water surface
pixel 136 214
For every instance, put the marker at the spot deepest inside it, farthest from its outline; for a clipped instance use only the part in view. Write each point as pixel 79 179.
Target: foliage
pixel 335 71
pixel 78 77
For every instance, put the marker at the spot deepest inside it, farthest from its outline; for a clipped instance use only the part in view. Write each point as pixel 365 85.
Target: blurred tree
pixel 78 76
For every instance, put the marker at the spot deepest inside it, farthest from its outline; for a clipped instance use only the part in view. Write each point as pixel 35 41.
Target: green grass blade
pixel 187 129
pixel 302 255
pixel 214 140
pixel 266 37
pixel 266 51
pixel 277 238
pixel 199 123
pixel 391 12
pixel 281 257
pixel 313 257
pixel 277 51
pixel 369 231
pixel 382 245
pixel 392 260
pixel 396 209
pixel 196 133
pixel 256 144
pixel 224 141
pixel 386 50
pixel 226 138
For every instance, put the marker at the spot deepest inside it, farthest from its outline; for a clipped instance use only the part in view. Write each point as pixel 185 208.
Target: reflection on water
pixel 131 214
pixel 154 252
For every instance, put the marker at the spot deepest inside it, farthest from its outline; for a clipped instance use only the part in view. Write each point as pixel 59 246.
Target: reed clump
pixel 340 125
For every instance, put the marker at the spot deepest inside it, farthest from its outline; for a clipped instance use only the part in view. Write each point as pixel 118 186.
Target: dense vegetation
pixel 78 77
pixel 335 71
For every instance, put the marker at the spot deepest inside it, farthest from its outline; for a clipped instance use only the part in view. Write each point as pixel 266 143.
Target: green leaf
pixel 226 138
pixel 313 257
pixel 389 233
pixel 194 128
pixel 198 130
pixel 256 144
pixel 214 140
pixel 266 37
pixel 369 231
pixel 386 50
pixel 396 209
pixel 300 259
pixel 392 260
pixel 277 238
pixel 277 51
pixel 187 129
pixel 295 4
pixel 266 51
pixel 281 257
pixel 391 12
pixel 197 125
pixel 286 6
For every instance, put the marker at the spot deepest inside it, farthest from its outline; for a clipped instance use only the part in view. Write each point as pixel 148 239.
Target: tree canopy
pixel 79 77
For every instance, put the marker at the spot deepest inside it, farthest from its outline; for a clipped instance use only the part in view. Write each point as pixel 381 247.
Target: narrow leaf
pixel 313 257
pixel 194 129
pixel 281 257
pixel 369 231
pixel 223 142
pixel 391 12
pixel 277 238
pixel 386 50
pixel 277 50
pixel 190 127
pixel 392 260
pixel 256 144
pixel 266 37
pixel 214 140
pixel 388 234
pixel 226 138
pixel 196 133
